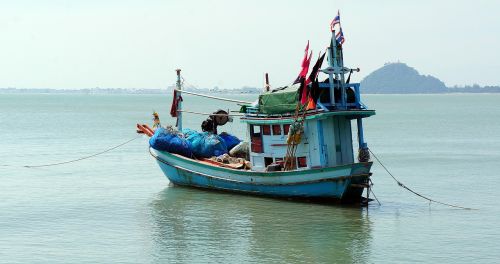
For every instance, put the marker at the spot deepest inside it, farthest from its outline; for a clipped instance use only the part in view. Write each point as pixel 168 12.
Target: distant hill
pixel 399 78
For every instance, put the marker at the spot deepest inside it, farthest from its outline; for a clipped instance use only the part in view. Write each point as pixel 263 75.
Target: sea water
pixel 118 207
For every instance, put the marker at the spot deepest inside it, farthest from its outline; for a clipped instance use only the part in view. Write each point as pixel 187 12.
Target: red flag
pixel 305 54
pixel 305 65
pixel 306 92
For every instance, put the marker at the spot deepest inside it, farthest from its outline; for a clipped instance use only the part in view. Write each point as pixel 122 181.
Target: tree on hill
pixel 402 79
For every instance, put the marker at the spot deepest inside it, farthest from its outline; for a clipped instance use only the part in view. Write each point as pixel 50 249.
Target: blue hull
pixel 312 184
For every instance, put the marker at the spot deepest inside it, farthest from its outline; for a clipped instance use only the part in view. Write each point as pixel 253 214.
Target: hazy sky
pixel 138 44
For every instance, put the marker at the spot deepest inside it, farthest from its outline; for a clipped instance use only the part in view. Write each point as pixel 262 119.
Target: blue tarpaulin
pixel 230 140
pixel 206 145
pixel 165 140
pixel 191 143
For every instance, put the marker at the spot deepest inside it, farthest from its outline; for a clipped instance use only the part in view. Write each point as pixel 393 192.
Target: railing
pixel 357 104
pixel 327 106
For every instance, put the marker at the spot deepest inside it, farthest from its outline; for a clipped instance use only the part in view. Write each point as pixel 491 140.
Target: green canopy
pixel 279 101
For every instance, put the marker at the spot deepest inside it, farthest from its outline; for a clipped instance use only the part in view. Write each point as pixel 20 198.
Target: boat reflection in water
pixel 194 225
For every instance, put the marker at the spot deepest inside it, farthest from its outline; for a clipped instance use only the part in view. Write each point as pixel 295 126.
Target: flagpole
pixel 341 66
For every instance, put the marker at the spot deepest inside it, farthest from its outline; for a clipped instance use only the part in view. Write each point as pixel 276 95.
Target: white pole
pixel 179 105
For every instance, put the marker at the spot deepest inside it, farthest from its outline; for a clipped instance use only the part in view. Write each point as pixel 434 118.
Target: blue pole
pixel 361 139
pixel 337 63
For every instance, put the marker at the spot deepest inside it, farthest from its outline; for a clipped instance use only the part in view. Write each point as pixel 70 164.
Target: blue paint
pixel 361 138
pixel 323 189
pixel 321 106
pixel 321 143
pixel 357 94
pixel 330 183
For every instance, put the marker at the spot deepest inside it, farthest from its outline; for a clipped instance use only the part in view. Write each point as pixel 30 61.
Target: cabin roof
pixel 279 101
pixel 352 114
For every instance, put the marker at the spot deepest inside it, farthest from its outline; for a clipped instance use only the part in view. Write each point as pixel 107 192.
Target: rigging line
pixel 201 113
pixel 215 97
pixel 412 191
pixel 82 158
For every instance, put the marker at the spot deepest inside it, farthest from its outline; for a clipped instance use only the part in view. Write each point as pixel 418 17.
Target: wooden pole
pixel 267 86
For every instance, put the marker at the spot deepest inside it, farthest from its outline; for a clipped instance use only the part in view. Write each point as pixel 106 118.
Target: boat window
pixel 286 128
pixel 278 160
pixel 276 130
pixel 302 162
pixel 266 130
pixel 255 130
pixel 268 161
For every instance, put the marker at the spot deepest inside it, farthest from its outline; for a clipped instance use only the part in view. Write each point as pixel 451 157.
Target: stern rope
pixel 82 158
pixel 414 192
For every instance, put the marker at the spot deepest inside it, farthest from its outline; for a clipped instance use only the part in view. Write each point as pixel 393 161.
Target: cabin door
pixel 256 145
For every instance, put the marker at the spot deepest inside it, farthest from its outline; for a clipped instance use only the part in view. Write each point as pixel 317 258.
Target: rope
pixel 215 97
pixel 200 113
pixel 412 191
pixel 371 190
pixel 82 158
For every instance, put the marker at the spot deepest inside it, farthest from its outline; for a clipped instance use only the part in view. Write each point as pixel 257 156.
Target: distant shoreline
pixel 212 91
pixel 245 90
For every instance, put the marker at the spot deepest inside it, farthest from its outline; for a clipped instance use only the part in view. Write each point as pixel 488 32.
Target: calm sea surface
pixel 119 207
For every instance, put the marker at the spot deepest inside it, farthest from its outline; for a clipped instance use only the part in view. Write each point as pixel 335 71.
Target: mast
pixel 179 104
pixel 340 57
pixel 336 68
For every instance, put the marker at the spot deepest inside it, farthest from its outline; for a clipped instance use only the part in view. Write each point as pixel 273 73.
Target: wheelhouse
pixel 326 140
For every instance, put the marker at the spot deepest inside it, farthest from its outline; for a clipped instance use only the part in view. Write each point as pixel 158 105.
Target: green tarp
pixel 279 101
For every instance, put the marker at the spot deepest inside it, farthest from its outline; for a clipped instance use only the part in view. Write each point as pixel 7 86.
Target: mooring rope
pixel 82 158
pixel 412 191
pixel 371 190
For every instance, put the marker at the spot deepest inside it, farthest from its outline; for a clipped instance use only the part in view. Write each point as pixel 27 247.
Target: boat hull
pixel 336 183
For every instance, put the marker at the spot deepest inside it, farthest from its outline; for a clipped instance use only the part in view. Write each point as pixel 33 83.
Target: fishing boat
pixel 300 142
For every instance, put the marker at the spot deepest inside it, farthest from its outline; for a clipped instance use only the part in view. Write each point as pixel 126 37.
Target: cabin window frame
pixel 266 130
pixel 252 131
pixel 286 129
pixel 302 162
pixel 273 130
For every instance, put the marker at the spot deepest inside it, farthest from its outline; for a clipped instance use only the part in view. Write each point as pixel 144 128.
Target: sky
pixel 230 44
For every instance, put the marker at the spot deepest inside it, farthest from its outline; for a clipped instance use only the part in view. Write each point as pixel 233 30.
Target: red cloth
pixel 175 104
pixel 305 91
pixel 308 92
pixel 305 64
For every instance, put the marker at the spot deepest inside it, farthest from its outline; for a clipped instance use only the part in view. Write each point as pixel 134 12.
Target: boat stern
pixel 360 179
